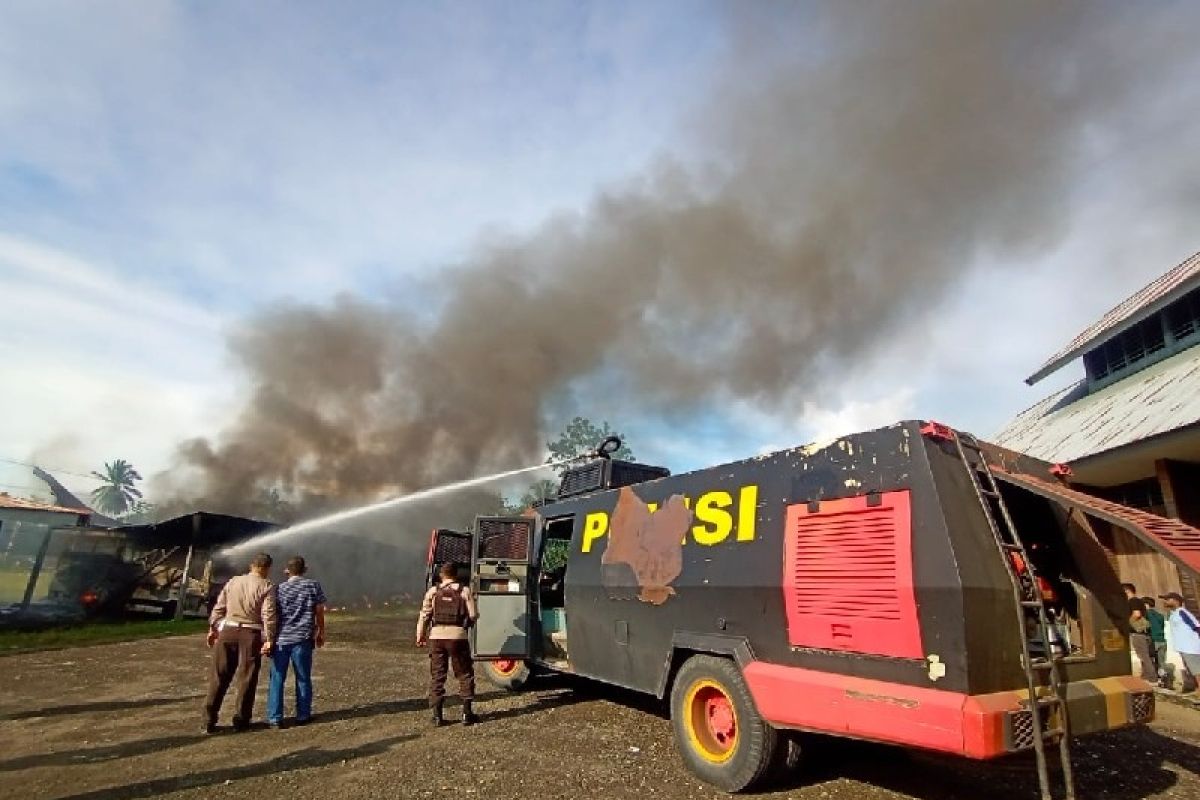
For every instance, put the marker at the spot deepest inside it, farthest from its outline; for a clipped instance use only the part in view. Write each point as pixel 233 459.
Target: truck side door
pixel 501 572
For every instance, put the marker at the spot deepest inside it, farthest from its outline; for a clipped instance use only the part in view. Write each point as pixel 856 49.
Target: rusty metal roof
pixel 19 503
pixel 1071 424
pixel 1176 540
pixel 64 497
pixel 1141 304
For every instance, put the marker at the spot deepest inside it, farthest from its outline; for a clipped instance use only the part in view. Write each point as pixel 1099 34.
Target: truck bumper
pixel 1092 706
pixel 975 726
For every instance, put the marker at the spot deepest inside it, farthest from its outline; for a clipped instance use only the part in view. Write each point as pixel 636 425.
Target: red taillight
pixel 89 598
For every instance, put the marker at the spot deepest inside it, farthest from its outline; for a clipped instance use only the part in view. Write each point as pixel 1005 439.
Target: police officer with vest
pixel 447 611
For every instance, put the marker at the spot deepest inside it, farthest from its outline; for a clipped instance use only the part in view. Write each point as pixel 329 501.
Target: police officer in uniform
pixel 447 611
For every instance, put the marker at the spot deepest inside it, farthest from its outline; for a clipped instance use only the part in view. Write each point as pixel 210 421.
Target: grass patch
pixel 93 633
pixel 394 611
pixel 12 585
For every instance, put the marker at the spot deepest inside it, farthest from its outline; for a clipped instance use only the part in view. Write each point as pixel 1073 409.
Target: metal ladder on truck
pixel 1031 607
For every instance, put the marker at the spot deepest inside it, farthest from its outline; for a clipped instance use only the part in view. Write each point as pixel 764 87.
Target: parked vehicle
pixel 908 585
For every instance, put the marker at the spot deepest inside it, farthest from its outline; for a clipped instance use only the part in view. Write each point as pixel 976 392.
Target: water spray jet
pixel 266 539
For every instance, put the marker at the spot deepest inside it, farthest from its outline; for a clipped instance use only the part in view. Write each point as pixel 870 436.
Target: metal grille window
pixel 1172 329
pixel 1183 316
pixel 1126 350
pixel 452 548
pixel 579 480
pixel 504 539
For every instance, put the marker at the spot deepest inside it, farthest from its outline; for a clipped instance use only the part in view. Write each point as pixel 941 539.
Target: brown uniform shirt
pixel 248 600
pixel 444 631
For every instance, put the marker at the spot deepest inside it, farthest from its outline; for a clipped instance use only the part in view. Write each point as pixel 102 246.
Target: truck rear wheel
pixel 718 731
pixel 507 674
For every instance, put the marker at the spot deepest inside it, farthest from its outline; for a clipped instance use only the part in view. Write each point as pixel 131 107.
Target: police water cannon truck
pixel 909 585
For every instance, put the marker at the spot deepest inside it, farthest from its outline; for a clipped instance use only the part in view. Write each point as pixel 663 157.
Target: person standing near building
pixel 242 627
pixel 1185 635
pixel 447 611
pixel 1158 638
pixel 1139 636
pixel 301 628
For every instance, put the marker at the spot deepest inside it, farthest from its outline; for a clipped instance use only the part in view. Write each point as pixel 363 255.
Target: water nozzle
pixel 606 448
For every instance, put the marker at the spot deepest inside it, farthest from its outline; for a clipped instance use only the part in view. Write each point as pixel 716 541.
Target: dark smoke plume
pixel 853 163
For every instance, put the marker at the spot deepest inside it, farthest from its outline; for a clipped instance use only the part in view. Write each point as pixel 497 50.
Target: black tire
pixel 789 754
pixel 512 680
pixel 736 761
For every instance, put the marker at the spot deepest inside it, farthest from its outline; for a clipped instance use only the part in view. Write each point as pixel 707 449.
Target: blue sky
pixel 168 168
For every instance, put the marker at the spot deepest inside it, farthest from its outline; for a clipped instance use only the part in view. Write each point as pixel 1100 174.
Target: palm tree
pixel 118 493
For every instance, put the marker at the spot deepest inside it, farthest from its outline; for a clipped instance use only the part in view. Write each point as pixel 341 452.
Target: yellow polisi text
pixel 717 515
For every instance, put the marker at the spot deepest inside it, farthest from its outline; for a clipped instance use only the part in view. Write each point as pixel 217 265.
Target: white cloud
pixel 126 370
pixel 30 269
pixel 857 415
pixel 262 152
pixel 168 169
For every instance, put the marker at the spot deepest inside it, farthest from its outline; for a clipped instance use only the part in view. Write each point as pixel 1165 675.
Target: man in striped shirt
pixel 301 627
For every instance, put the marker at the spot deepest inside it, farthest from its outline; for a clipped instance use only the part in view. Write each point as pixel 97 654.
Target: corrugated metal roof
pixel 8 501
pixel 1134 308
pixel 1071 424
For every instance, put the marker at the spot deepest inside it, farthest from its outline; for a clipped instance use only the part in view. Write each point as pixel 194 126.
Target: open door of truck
pixel 500 578
pixel 448 547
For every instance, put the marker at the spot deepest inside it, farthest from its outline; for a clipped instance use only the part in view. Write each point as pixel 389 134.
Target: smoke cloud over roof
pixel 852 164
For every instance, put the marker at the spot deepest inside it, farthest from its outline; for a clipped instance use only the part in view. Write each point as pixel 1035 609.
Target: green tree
pixel 140 513
pixel 581 436
pixel 118 492
pixel 538 491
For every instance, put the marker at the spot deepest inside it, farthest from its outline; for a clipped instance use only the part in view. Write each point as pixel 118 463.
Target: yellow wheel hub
pixel 711 721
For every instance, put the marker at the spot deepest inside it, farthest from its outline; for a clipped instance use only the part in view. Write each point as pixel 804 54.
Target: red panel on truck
pixel 847 578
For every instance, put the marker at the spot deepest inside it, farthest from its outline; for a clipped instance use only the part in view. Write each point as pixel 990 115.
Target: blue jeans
pixel 299 655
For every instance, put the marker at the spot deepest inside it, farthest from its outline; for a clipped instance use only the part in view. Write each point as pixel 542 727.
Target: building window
pixel 1144 495
pixel 1174 328
pixel 1183 316
pixel 1125 351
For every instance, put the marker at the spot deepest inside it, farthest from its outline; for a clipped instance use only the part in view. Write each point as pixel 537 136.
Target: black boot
pixel 469 717
pixel 436 719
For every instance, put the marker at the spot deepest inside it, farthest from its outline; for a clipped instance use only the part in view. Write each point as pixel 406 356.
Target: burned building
pixel 171 569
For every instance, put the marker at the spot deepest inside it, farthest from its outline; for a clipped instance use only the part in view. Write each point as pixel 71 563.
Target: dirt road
pixel 123 721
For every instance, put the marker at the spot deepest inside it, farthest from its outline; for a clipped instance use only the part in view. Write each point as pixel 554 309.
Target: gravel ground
pixel 123 721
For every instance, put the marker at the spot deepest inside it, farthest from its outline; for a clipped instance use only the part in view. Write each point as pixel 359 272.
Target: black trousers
pixel 237 654
pixel 446 654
